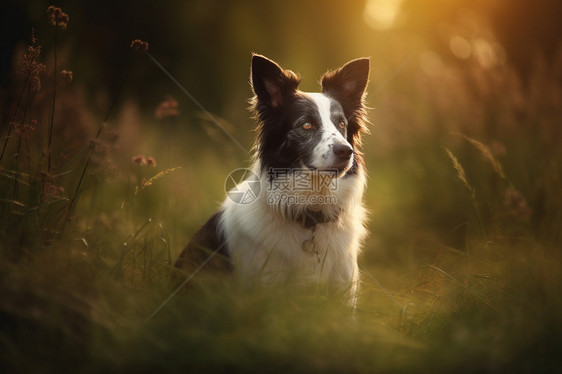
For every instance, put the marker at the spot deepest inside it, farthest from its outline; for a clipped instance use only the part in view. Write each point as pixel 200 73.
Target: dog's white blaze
pixel 323 157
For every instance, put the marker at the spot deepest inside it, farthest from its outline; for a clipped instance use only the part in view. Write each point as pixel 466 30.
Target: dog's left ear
pixel 348 83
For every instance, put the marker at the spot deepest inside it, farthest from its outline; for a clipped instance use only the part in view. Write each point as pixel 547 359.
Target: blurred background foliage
pixel 463 158
pixel 438 66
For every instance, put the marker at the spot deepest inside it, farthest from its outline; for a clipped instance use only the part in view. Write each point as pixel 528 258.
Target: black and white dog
pixel 306 219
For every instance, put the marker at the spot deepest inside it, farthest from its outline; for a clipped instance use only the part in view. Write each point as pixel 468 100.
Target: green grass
pixel 461 272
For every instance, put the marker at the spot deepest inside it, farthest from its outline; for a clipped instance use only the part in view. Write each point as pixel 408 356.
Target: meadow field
pixel 100 191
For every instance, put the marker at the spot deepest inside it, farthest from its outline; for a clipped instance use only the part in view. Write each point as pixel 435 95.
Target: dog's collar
pixel 310 218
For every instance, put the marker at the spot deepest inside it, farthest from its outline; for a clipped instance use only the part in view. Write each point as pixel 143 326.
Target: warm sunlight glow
pixel 460 47
pixel 381 14
pixel 431 63
pixel 488 54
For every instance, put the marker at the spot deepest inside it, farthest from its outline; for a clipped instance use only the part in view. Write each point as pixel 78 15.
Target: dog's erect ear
pixel 348 83
pixel 271 83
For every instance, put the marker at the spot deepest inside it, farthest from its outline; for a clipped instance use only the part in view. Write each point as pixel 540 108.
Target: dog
pixel 303 218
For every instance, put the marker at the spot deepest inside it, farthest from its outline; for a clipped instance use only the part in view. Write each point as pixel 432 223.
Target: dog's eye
pixel 307 125
pixel 342 124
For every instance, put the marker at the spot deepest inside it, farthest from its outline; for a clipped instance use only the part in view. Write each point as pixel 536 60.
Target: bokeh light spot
pixel 382 14
pixel 460 47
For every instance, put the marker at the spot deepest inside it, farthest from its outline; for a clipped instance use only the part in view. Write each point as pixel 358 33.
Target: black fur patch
pixel 337 115
pixel 203 244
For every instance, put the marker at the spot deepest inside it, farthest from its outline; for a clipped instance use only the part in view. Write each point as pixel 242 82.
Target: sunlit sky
pixel 385 14
pixel 382 14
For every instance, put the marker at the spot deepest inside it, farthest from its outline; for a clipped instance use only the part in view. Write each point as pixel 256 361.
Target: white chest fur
pixel 266 247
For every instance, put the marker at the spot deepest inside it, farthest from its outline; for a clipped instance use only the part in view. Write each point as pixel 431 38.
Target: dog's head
pixel 318 131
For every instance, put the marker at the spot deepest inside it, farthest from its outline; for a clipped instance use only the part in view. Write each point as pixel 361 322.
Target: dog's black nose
pixel 342 151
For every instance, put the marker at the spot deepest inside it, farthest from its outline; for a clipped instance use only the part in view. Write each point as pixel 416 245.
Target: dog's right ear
pixel 270 82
